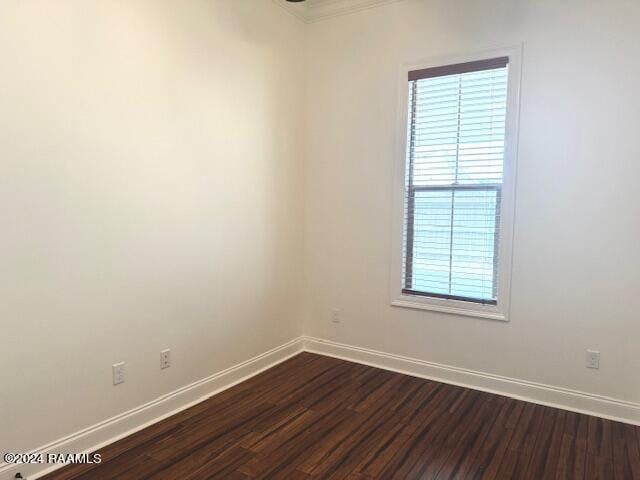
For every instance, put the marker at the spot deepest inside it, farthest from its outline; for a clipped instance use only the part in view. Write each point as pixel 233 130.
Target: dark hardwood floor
pixel 315 417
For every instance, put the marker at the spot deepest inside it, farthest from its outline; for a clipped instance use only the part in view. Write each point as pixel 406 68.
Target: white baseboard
pixel 564 398
pixel 123 425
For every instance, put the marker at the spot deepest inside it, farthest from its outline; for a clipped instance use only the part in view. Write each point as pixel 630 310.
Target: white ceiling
pixel 315 10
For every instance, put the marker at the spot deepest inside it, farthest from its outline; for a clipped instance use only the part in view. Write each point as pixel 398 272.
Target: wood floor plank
pixel 293 447
pixel 573 448
pixel 345 458
pixel 487 461
pixel 421 454
pixel 571 459
pixel 599 439
pixel 315 418
pixel 626 452
pixel 465 454
pixel 545 453
pixel 598 468
pixel 466 449
pixel 205 463
pixel 386 452
pixel 108 454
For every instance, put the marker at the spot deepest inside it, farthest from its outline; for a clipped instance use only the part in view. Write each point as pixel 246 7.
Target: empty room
pixel 319 239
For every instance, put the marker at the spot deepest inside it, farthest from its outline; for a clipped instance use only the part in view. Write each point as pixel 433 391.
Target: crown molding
pixel 315 10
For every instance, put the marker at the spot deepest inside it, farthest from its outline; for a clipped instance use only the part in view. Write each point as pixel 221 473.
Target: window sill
pixel 451 307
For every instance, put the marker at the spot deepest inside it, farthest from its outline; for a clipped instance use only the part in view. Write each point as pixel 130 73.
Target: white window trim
pixel 457 307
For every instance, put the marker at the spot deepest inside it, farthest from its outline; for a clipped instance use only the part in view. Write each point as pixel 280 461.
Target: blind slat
pixel 455 156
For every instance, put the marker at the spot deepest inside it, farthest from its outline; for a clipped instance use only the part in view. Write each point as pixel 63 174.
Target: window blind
pixel 453 185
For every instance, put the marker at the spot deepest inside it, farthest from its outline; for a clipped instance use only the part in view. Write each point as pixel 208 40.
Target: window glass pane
pixel 473 243
pixel 458 128
pixel 455 152
pixel 432 241
pixel 483 103
pixel 455 258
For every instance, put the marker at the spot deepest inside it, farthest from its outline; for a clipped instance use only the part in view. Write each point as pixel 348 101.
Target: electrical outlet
pixel 335 315
pixel 593 359
pixel 118 373
pixel 165 359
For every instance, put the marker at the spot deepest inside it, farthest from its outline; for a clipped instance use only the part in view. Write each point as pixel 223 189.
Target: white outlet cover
pixel 593 359
pixel 335 315
pixel 165 359
pixel 118 373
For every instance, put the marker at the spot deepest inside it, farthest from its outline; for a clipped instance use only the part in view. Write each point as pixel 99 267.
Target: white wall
pixel 152 195
pixel 150 182
pixel 576 267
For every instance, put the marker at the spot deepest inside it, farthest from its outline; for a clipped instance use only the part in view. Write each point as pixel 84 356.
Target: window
pixel 457 192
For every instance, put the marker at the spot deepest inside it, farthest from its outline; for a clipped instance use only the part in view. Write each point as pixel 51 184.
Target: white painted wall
pixel 150 182
pixel 576 267
pixel 152 158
